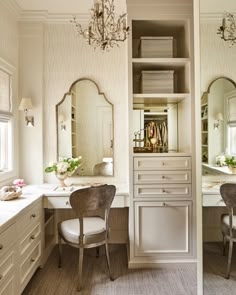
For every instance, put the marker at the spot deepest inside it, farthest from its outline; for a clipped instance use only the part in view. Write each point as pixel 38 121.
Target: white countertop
pixel 10 209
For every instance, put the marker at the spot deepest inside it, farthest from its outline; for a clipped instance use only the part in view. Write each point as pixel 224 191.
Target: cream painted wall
pixel 68 58
pixel 9 58
pixel 217 59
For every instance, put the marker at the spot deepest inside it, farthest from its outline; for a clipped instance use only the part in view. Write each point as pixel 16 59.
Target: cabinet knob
pixel 67 203
pixel 32 237
pixel 33 215
pixel 163 177
pixel 164 204
pixel 32 259
pixel 163 191
pixel 1 246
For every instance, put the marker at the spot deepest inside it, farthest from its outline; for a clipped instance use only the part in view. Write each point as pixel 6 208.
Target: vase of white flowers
pixel 63 168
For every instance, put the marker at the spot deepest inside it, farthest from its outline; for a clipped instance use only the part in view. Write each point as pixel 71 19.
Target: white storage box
pixel 156 47
pixel 157 82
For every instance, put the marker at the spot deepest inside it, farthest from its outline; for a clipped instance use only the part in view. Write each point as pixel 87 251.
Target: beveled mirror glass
pixel 213 117
pixel 85 128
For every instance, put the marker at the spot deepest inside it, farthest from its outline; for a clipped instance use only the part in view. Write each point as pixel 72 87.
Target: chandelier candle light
pixel 227 30
pixel 104 30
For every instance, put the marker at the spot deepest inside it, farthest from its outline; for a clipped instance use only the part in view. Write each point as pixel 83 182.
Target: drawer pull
pixel 32 259
pixel 33 215
pixel 67 203
pixel 1 277
pixel 32 237
pixel 164 204
pixel 163 163
pixel 163 177
pixel 1 246
pixel 163 191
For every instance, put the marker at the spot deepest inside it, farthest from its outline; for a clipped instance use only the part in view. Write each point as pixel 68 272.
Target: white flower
pixel 62 167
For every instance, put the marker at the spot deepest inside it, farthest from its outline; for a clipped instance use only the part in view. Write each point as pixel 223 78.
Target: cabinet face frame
pixel 188 217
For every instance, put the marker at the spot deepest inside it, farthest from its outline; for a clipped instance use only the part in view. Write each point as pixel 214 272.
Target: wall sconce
pixel 26 105
pixel 62 123
pixel 218 118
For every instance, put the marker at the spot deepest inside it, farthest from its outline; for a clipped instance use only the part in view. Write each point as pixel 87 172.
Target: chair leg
pixel 224 244
pixel 97 252
pixel 108 261
pixel 59 251
pixel 229 258
pixel 81 256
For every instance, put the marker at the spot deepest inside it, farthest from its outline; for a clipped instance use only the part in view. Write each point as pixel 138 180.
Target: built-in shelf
pixel 153 98
pixel 204 104
pixel 205 132
pixel 204 145
pixel 204 118
pixel 173 62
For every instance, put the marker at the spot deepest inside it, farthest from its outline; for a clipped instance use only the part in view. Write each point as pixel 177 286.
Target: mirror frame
pixel 221 77
pixel 112 109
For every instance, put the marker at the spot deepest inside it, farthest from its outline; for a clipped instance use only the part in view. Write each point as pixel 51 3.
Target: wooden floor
pixel 51 280
pixel 215 265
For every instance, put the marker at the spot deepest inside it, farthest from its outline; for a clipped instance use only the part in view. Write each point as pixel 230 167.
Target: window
pixel 5 122
pixel 231 122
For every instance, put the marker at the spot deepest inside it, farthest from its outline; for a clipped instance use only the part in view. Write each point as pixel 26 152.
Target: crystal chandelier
pixel 104 29
pixel 227 30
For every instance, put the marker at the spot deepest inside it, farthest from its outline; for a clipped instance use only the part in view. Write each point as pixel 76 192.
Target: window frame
pixel 10 172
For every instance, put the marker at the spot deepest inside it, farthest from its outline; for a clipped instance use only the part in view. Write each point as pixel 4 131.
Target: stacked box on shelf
pixel 157 82
pixel 156 47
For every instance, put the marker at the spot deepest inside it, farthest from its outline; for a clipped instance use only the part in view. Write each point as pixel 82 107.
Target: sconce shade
pixel 25 104
pixel 219 117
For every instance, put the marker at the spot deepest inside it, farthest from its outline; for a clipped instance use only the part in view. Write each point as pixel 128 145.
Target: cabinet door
pixel 162 228
pixel 162 163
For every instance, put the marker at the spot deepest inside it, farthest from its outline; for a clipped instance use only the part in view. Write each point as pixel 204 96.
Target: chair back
pixel 85 201
pixel 228 193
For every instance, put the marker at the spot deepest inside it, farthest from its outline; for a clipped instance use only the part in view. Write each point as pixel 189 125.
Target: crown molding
pixel 45 17
pixel 12 7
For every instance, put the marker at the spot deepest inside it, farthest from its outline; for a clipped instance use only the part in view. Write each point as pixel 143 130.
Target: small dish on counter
pixel 8 193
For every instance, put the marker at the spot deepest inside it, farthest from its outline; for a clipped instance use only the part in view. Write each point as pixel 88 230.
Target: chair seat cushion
pixel 70 229
pixel 225 224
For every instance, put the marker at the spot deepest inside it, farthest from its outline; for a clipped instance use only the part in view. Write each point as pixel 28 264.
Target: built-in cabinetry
pixel 204 129
pixel 20 250
pixel 162 219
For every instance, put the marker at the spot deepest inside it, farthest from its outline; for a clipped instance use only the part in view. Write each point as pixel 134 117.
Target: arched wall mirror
pixel 214 119
pixel 84 119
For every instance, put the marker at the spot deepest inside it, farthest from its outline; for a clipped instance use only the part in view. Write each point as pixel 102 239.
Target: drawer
pixel 29 265
pixel 153 177
pixel 7 264
pixel 162 163
pixel 7 238
pixel 30 217
pixel 163 191
pixel 8 287
pixel 28 240
pixel 58 202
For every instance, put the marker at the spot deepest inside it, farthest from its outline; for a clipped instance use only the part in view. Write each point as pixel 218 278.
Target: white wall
pixel 52 58
pixel 9 57
pixel 68 58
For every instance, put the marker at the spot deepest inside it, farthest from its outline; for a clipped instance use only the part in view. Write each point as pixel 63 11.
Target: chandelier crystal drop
pixel 104 30
pixel 227 30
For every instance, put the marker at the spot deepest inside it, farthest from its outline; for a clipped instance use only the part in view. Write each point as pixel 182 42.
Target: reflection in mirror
pixel 155 128
pixel 85 128
pixel 214 119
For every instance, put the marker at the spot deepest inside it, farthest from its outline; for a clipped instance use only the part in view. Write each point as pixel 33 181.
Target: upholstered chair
pixel 90 228
pixel 228 221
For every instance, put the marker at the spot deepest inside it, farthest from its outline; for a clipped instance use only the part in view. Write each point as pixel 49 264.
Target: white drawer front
pixel 6 264
pixel 28 265
pixel 7 238
pixel 28 240
pixel 58 202
pixel 163 190
pixel 30 217
pixel 152 177
pixel 162 163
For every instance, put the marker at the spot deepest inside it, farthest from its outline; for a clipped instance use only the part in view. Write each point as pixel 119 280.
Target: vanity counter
pixel 10 209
